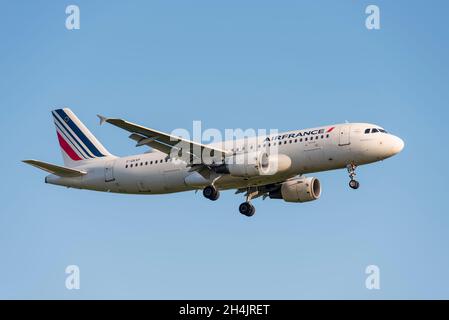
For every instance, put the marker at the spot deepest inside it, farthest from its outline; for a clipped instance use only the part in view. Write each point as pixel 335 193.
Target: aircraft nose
pixel 397 145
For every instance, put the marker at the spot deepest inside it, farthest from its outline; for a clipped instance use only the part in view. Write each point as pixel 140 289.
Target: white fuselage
pixel 310 150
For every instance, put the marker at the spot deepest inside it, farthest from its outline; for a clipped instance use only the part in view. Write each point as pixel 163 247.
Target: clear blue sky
pixel 230 64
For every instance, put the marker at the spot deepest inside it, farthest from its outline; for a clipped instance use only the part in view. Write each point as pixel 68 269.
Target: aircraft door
pixel 109 171
pixel 345 135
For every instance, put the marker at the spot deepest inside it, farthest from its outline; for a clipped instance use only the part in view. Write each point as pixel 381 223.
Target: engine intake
pixel 298 190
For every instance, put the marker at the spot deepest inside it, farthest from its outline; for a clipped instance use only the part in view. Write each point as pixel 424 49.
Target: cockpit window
pixel 374 130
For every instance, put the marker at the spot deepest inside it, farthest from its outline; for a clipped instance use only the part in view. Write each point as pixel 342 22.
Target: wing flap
pixel 55 169
pixel 150 142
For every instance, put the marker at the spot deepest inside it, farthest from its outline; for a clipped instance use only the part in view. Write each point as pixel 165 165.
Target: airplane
pixel 268 166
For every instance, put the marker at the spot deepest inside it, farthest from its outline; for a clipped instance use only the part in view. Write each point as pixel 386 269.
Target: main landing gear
pixel 211 193
pixel 246 208
pixel 354 184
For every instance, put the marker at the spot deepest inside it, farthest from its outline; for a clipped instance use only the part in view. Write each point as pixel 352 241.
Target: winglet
pixel 102 119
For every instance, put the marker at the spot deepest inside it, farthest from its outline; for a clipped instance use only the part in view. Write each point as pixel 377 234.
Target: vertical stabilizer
pixel 77 143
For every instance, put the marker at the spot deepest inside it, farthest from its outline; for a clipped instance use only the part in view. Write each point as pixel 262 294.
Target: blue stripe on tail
pixel 79 133
pixel 62 124
pixel 73 145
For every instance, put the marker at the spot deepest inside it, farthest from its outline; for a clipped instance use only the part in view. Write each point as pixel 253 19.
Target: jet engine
pixel 298 190
pixel 254 164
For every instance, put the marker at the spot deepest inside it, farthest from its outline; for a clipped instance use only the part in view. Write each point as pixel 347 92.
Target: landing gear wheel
pixel 211 193
pixel 247 209
pixel 354 184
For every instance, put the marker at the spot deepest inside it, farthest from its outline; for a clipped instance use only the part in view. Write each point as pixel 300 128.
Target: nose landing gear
pixel 354 184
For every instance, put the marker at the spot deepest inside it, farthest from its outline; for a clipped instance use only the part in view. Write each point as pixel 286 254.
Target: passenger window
pixel 300 140
pixel 131 166
pixel 305 139
pixel 126 166
pixel 296 140
pixel 327 135
pixel 285 142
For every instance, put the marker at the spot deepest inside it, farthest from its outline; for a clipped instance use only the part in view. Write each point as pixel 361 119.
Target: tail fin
pixel 76 141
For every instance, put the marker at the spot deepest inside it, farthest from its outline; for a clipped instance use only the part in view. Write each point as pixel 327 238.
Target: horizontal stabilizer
pixel 54 169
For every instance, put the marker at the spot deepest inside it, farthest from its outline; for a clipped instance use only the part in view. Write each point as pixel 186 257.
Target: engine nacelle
pixel 254 164
pixel 298 190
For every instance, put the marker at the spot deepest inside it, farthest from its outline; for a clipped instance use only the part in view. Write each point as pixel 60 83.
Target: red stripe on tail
pixel 65 146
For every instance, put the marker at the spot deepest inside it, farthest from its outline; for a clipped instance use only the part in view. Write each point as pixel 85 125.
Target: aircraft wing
pixel 54 169
pixel 167 143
